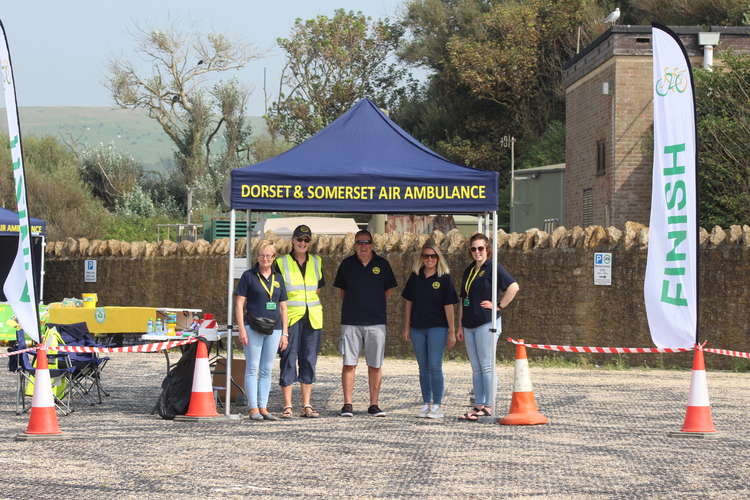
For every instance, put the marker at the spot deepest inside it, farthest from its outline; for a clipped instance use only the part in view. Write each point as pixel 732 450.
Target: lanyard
pixel 263 284
pixel 470 279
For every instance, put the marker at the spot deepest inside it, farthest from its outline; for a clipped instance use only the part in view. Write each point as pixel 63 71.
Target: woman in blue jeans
pixel 475 321
pixel 261 294
pixel 429 297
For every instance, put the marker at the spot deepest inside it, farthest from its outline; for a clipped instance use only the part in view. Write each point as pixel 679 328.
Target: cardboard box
pixel 238 376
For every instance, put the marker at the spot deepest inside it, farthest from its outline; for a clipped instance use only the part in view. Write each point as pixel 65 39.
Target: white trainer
pixel 424 412
pixel 435 412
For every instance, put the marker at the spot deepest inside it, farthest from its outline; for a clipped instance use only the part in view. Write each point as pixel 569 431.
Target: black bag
pixel 261 324
pixel 178 385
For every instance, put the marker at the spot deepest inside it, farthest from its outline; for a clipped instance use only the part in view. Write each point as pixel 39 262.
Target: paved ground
pixel 608 437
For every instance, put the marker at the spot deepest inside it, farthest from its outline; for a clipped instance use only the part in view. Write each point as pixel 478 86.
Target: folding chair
pixel 23 366
pixel 87 366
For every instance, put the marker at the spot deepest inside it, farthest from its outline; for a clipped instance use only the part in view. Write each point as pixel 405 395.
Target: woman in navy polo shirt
pixel 429 297
pixel 475 318
pixel 261 294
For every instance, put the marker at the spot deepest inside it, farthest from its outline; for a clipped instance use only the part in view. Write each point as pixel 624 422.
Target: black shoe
pixel 347 410
pixel 375 411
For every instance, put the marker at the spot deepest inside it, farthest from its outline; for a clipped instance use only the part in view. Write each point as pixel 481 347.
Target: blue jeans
pixel 260 352
pixel 429 346
pixel 481 345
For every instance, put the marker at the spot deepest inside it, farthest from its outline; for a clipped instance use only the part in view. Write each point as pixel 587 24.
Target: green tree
pixel 331 63
pixel 177 93
pixel 56 191
pixel 686 12
pixel 110 175
pixel 723 109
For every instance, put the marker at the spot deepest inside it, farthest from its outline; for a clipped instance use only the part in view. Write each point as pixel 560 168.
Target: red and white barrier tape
pixel 726 352
pixel 8 354
pixel 604 350
pixel 157 346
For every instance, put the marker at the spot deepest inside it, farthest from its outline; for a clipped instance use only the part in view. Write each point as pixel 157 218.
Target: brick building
pixel 609 118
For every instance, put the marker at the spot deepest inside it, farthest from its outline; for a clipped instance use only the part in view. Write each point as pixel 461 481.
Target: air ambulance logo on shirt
pixel 376 270
pixel 435 285
pixel 276 284
pixel 481 273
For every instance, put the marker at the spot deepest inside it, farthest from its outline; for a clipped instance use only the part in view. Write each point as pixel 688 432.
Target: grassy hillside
pixel 130 131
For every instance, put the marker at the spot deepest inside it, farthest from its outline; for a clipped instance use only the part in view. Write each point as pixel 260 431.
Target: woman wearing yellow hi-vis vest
pixel 303 277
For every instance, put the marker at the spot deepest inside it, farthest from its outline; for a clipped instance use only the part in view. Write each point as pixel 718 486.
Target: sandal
pixel 471 416
pixel 484 412
pixel 309 412
pixel 287 412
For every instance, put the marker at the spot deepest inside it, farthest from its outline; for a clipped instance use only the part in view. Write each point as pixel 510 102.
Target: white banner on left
pixel 19 285
pixel 671 285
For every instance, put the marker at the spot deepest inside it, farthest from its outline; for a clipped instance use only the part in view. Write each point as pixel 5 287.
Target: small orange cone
pixel 698 418
pixel 43 418
pixel 523 409
pixel 202 404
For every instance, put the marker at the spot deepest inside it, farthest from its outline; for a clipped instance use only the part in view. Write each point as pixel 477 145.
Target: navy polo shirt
pixel 428 297
pixel 250 287
pixel 475 315
pixel 364 290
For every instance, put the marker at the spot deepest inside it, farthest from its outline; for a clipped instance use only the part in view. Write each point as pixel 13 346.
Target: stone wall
pixel 557 304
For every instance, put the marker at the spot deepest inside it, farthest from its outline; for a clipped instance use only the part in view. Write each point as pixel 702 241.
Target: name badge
pixel 466 302
pixel 270 306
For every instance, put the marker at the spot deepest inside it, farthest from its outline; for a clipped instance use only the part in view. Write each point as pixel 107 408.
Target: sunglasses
pixel 303 240
pixel 429 256
pixel 363 242
pixel 477 249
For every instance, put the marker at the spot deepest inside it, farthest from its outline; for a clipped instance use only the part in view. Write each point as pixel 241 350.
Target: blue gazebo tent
pixel 363 162
pixel 9 247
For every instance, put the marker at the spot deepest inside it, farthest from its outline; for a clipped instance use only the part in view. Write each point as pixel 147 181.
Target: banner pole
pixel 495 256
pixel 230 290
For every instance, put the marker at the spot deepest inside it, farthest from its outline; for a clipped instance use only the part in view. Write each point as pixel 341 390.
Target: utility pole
pixel 508 141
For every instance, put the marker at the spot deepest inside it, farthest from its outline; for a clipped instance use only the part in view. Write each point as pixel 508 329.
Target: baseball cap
pixel 302 230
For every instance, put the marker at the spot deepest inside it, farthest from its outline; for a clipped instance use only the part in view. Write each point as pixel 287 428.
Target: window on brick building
pixel 601 157
pixel 588 207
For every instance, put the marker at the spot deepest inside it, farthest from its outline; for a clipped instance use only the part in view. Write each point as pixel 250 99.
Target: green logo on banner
pixel 100 315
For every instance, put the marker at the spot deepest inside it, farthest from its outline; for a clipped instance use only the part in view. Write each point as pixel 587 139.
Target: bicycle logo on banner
pixel 672 79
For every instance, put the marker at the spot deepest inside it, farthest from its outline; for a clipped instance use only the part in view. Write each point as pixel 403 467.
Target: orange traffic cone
pixel 523 409
pixel 698 420
pixel 202 404
pixel 43 419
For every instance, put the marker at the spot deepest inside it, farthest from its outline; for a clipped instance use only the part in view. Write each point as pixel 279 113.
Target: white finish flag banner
pixel 671 285
pixel 18 287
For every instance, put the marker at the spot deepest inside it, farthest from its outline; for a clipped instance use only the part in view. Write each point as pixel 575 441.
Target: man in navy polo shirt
pixel 365 280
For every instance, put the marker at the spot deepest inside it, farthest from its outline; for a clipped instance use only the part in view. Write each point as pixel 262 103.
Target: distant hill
pixel 130 131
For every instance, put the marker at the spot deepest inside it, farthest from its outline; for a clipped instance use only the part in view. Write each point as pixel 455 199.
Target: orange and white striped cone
pixel 202 404
pixel 698 420
pixel 523 409
pixel 43 418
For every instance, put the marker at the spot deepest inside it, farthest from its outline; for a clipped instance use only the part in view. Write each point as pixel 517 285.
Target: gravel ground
pixel 607 437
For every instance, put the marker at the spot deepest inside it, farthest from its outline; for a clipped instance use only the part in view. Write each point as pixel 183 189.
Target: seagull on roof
pixel 613 16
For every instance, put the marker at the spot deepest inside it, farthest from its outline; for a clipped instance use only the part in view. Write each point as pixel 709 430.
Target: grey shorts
pixel 353 337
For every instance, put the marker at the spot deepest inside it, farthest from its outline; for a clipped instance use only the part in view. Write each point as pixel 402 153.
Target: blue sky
pixel 60 50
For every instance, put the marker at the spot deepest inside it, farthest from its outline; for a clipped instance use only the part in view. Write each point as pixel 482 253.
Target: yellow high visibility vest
pixel 302 292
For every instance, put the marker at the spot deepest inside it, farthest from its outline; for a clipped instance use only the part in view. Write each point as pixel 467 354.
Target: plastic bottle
pixel 150 327
pixel 159 327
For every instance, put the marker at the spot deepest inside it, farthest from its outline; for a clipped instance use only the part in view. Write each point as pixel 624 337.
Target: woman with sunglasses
pixel 303 277
pixel 475 321
pixel 429 297
pixel 261 299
